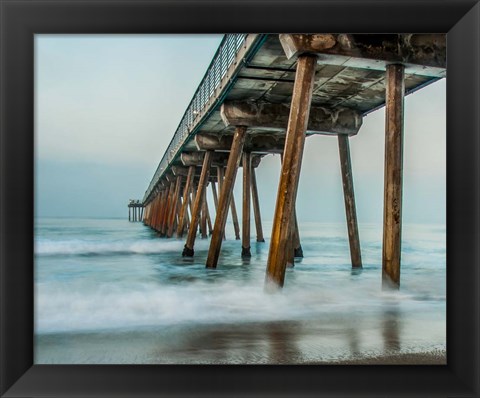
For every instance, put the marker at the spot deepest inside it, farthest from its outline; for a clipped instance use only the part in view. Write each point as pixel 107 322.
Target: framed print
pixel 89 308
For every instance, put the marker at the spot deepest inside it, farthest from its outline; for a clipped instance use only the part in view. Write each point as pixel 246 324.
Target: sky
pixel 107 106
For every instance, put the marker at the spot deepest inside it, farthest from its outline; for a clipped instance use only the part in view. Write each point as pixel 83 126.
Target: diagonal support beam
pixel 173 213
pixel 290 175
pixel 202 184
pixel 226 194
pixel 349 196
pixel 186 195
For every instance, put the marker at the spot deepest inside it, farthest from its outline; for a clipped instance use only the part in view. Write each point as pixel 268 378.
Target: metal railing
pixel 206 98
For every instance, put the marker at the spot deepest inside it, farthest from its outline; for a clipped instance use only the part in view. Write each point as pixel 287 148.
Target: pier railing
pixel 234 50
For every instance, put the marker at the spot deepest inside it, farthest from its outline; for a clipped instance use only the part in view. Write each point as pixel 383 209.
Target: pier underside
pixel 267 97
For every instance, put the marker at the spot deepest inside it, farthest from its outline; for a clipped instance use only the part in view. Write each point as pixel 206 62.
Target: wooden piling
pixel 163 215
pixel 186 196
pixel 168 210
pixel 129 210
pixel 220 181
pixel 256 208
pixel 349 197
pixel 209 220
pixel 203 222
pixel 246 205
pixel 291 165
pixel 236 225
pixel 214 194
pixel 188 249
pixel 173 212
pixel 392 210
pixel 158 209
pixel 226 194
pixel 297 246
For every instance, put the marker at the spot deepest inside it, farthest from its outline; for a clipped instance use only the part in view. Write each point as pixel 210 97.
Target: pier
pixel 266 94
pixel 135 210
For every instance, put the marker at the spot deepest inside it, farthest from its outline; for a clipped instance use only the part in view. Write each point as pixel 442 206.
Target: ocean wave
pixel 112 306
pixel 88 247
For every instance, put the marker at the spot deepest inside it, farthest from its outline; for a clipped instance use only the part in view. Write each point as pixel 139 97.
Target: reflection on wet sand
pixel 325 340
pixel 289 342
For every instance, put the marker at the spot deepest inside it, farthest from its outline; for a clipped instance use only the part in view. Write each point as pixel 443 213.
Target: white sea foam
pixel 83 247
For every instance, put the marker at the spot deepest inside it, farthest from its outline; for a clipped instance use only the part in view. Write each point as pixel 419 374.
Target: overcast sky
pixel 106 108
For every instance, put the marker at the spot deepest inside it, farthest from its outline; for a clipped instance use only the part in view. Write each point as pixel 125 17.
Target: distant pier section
pixel 135 210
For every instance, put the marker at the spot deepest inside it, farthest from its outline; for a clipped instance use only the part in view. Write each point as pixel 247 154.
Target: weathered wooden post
pixel 176 196
pixel 188 249
pixel 246 205
pixel 168 209
pixel 186 196
pixel 233 208
pixel 256 208
pixel 226 193
pixel 164 208
pixel 203 221
pixel 291 165
pixel 297 246
pixel 129 216
pixel 349 196
pixel 155 210
pixel 220 182
pixel 236 225
pixel 209 220
pixel 392 210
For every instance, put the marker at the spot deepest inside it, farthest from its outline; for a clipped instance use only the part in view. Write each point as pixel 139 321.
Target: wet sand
pixel 339 341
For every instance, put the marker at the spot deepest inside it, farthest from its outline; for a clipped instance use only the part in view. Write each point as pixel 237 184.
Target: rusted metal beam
pixel 290 174
pixel 392 210
pixel 349 197
pixel 226 194
pixel 246 206
pixel 188 249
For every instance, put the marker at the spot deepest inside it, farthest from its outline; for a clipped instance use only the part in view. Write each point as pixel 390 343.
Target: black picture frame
pixel 21 19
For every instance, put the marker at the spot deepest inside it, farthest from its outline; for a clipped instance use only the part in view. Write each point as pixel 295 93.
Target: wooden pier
pixel 267 98
pixel 135 210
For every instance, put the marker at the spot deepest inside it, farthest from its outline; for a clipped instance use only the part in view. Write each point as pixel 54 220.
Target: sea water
pixel 113 291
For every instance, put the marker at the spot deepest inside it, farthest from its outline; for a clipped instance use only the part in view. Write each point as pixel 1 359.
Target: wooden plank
pixel 392 210
pixel 290 174
pixel 246 205
pixel 188 249
pixel 226 194
pixel 349 197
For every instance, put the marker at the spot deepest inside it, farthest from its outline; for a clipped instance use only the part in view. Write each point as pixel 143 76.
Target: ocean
pixel 110 291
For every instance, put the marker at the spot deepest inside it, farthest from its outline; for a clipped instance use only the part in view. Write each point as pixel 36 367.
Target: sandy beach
pixel 277 343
